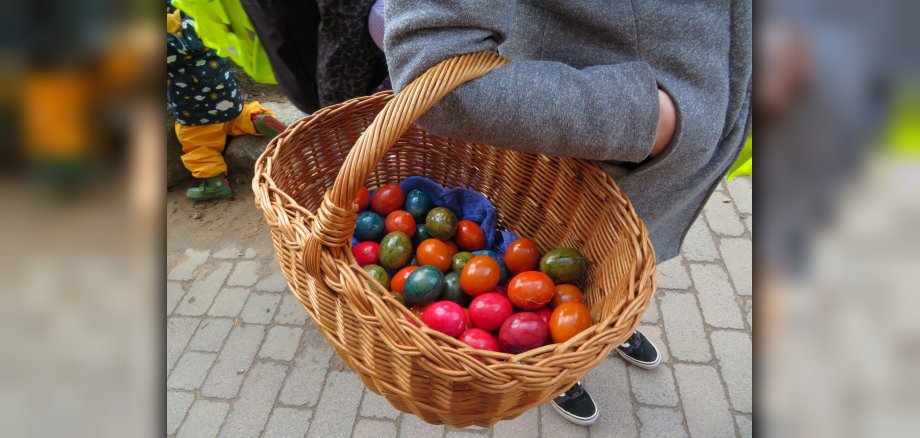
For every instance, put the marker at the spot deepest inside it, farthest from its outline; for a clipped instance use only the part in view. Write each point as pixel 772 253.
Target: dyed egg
pixel 363 199
pixel 423 286
pixel 452 290
pixel 417 204
pixel 563 265
pixel 522 332
pixel 366 253
pixel 395 250
pixel 387 199
pixel 458 261
pixel 469 236
pixel 413 261
pixel 369 226
pixel 379 274
pixel 568 320
pixel 446 317
pixel 421 234
pixel 441 223
pixel 504 270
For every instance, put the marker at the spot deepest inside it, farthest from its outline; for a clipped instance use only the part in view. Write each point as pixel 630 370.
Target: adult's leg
pixel 288 32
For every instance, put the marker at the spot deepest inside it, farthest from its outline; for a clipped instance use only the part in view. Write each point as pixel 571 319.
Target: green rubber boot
pixel 210 188
pixel 267 125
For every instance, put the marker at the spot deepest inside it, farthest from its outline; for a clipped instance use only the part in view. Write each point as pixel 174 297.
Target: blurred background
pixel 837 101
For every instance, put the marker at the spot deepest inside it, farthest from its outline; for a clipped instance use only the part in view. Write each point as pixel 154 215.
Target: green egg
pixel 395 250
pixel 452 291
pixel 423 286
pixel 563 265
pixel 458 261
pixel 441 223
pixel 380 275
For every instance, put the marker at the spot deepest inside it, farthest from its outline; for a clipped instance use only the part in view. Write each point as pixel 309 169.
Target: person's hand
pixel 667 123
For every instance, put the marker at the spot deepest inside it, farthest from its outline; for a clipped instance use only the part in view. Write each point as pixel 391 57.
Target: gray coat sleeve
pixel 603 112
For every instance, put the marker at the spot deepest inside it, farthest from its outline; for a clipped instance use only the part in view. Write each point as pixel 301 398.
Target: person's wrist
pixel 667 123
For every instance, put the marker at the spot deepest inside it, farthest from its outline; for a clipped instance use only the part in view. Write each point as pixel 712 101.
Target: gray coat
pixel 583 83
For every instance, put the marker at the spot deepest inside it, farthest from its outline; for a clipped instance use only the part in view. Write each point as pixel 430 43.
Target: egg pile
pixel 439 267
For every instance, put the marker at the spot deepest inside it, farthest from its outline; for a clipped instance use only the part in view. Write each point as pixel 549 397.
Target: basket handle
pixel 335 220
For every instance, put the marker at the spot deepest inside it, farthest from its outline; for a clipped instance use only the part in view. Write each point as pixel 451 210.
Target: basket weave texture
pixel 305 183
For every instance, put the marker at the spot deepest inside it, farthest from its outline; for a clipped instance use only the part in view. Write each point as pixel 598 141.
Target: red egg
pixel 522 332
pixel 488 311
pixel 545 313
pixel 446 317
pixel 366 253
pixel 479 338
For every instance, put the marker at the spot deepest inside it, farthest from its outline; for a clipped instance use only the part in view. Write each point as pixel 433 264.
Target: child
pixel 657 93
pixel 208 106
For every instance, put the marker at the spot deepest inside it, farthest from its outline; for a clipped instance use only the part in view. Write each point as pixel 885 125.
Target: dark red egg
pixel 522 332
pixel 479 338
pixel 545 313
pixel 446 317
pixel 488 311
pixel 366 253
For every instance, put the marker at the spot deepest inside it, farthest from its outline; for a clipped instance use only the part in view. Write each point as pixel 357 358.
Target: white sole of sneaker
pixel 573 419
pixel 643 365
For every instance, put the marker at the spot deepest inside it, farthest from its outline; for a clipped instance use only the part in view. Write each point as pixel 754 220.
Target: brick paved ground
pixel 243 359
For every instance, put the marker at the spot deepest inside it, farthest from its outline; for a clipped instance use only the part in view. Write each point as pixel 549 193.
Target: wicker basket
pixel 305 184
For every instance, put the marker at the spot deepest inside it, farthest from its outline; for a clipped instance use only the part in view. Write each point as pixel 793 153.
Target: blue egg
pixel 418 203
pixel 369 226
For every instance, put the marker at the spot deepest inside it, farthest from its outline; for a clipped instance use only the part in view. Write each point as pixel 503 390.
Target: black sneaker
pixel 640 351
pixel 576 406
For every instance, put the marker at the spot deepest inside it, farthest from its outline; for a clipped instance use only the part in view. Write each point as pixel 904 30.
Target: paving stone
pixel 653 334
pixel 260 308
pixel 376 406
pixel 698 245
pixel 654 387
pixel 672 274
pixel 306 377
pixel 229 302
pixel 190 371
pixel 229 252
pixel 287 422
pixel 684 327
pixel 737 254
pixel 224 379
pixel 203 419
pixel 339 405
pixel 553 425
pixel 178 332
pixel 177 404
pixel 273 283
pixel 185 270
pixel 374 429
pixel 291 311
pixel 246 274
pixel 733 351
pixel 705 407
pixel 661 423
pixel 717 297
pixel 252 409
pixel 413 426
pixel 749 223
pixel 462 434
pixel 609 386
pixel 651 315
pixel 203 290
pixel 281 343
pixel 740 190
pixel 475 430
pixel 174 293
pixel 722 217
pixel 525 426
pixel 211 334
pixel 745 426
pixel 749 308
pixel 250 253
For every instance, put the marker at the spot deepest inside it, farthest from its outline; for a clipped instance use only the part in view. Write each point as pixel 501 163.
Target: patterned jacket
pixel 200 89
